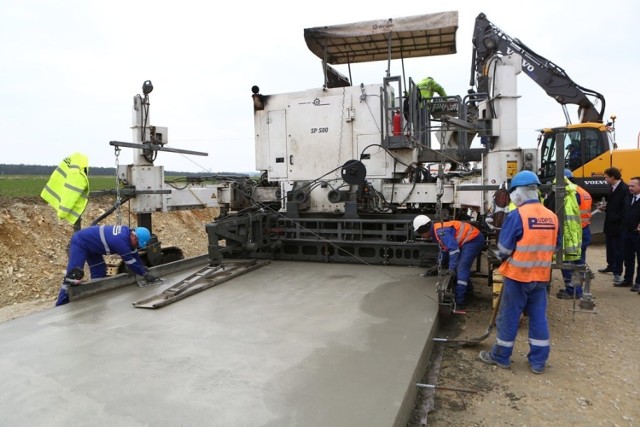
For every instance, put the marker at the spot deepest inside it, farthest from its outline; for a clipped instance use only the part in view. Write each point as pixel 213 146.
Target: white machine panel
pixel 147 178
pixel 377 159
pixel 193 197
pixel 469 199
pixel 304 135
pixel 418 193
pixel 277 137
pixel 319 137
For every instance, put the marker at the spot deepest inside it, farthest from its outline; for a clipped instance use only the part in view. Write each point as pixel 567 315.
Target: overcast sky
pixel 69 69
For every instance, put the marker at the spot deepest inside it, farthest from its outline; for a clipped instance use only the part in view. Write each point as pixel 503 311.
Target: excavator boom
pixel 489 40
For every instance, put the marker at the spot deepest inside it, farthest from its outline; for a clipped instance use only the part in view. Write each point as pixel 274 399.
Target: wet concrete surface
pixel 290 344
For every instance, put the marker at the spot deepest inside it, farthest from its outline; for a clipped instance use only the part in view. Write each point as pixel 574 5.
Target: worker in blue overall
pixel 526 246
pixel 460 244
pixel 90 244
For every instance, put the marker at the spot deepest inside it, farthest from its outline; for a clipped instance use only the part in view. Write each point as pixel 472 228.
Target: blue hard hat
pixel 143 237
pixel 524 178
pixel 568 174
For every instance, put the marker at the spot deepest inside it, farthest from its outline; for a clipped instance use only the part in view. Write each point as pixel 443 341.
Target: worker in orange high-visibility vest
pixel 460 244
pixel 526 245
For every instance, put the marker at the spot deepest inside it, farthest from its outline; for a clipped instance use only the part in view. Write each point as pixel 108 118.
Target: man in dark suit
pixel 631 235
pixel 614 209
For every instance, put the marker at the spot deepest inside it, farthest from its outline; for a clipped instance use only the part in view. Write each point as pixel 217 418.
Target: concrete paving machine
pixel 344 168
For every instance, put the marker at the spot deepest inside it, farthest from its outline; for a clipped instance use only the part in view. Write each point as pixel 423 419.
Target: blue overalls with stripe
pixel 91 244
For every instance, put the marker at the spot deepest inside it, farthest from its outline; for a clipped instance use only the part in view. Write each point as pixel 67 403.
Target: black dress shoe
pixel 624 284
pixel 605 270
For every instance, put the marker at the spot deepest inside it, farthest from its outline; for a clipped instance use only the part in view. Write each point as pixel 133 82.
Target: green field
pixel 32 185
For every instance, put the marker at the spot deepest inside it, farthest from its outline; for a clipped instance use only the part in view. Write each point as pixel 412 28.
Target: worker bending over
pixel 428 87
pixel 92 243
pixel 460 244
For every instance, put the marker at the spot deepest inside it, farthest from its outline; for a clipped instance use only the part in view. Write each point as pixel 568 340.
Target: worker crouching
pixel 90 244
pixel 460 244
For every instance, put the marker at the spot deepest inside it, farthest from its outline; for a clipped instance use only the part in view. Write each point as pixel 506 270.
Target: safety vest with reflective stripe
pixel 585 206
pixel 532 257
pixel 464 231
pixel 572 230
pixel 67 190
pixel 428 87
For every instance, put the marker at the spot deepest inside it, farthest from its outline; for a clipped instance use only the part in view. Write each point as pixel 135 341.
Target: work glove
pixel 495 256
pixel 431 271
pixel 74 278
pixel 150 277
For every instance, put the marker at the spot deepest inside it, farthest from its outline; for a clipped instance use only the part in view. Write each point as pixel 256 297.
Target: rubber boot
pixel 461 291
pixel 569 289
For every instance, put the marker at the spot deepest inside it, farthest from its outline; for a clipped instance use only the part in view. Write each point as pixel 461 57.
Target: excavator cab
pixel 587 153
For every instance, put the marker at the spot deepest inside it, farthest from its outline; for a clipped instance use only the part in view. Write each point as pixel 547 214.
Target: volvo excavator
pixel 588 146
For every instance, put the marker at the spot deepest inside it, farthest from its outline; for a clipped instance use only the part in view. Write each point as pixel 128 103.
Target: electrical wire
pixel 150 157
pixel 385 149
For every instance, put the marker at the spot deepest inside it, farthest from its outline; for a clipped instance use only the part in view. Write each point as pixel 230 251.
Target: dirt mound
pixel 33 242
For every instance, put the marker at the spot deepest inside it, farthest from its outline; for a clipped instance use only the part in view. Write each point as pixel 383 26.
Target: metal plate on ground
pixel 202 279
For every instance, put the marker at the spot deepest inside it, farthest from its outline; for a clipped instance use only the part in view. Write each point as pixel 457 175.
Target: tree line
pixel 40 170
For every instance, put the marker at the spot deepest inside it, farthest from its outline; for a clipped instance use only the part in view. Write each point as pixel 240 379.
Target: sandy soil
pixel 593 377
pixel 33 244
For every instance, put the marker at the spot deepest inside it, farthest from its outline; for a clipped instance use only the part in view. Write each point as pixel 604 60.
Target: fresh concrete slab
pixel 290 344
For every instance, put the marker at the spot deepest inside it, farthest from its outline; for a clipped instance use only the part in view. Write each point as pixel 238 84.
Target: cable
pixel 393 183
pixel 492 89
pixel 297 190
pixel 385 149
pixel 362 99
pixel 194 162
pixel 150 157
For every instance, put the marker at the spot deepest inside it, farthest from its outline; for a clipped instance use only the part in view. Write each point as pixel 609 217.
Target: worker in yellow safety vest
pixel 583 201
pixel 428 87
pixel 68 188
pixel 572 230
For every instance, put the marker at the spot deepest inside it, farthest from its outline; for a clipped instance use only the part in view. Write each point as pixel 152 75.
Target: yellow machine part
pixel 594 167
pixel 497 285
pixel 627 161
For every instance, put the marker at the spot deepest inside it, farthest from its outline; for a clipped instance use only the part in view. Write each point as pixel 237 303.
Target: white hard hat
pixel 419 221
